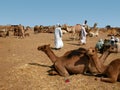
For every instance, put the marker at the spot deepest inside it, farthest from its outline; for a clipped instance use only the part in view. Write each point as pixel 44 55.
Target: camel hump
pixel 77 52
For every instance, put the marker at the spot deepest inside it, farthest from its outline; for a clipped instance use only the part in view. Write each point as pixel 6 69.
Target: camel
pixel 112 70
pixel 75 30
pixel 94 31
pixel 21 31
pixel 4 31
pixel 37 29
pixel 18 30
pixel 115 48
pixel 72 62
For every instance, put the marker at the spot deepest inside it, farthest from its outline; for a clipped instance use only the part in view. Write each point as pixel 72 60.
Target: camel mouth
pixel 39 48
pixel 88 53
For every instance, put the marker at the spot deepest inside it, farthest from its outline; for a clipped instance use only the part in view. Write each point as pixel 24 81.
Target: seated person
pixel 99 45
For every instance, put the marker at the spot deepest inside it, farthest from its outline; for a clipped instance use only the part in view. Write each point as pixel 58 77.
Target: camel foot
pixel 110 80
pixel 97 79
pixel 52 72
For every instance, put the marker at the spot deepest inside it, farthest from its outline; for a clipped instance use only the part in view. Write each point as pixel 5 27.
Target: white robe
pixel 83 35
pixel 58 38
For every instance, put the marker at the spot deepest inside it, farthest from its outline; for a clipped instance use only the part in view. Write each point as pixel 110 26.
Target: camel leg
pixel 119 77
pixel 61 70
pixel 53 72
pixel 85 70
pixel 109 79
pixel 112 75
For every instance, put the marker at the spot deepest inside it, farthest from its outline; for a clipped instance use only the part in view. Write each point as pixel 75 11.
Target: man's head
pixel 58 25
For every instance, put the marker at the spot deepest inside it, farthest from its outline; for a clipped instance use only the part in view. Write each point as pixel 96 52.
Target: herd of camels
pixel 21 31
pixel 84 61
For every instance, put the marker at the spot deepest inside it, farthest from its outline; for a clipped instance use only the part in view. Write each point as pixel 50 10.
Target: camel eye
pixel 112 48
pixel 93 50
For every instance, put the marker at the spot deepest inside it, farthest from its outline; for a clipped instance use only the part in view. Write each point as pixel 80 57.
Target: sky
pixel 51 12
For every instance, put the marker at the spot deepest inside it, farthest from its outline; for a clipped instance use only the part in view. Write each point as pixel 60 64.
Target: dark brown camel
pixel 72 62
pixel 112 71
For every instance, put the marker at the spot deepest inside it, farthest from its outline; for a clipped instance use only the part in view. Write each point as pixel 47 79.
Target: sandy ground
pixel 23 67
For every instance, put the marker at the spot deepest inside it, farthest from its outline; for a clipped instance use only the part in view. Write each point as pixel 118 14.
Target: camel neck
pixel 104 56
pixel 98 64
pixel 51 55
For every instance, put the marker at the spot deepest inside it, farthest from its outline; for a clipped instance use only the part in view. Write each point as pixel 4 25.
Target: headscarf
pixel 57 25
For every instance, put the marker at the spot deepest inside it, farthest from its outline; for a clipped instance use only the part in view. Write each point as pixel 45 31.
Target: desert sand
pixel 23 67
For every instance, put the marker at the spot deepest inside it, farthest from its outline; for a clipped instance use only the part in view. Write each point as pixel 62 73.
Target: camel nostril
pixel 38 48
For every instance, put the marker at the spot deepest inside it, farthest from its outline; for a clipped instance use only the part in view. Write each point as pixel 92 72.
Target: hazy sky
pixel 50 12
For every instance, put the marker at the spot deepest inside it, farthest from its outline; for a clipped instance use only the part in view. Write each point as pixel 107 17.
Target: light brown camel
pixel 94 31
pixel 72 62
pixel 21 31
pixel 112 70
pixel 115 48
pixel 75 30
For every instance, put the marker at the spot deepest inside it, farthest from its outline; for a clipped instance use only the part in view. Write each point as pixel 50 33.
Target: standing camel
pixel 75 30
pixel 112 70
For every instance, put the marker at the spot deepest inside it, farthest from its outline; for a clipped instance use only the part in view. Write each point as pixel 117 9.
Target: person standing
pixel 83 34
pixel 58 37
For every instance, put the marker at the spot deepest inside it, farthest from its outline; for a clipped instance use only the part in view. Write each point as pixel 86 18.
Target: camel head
pixel 91 51
pixel 110 48
pixel 43 47
pixel 113 49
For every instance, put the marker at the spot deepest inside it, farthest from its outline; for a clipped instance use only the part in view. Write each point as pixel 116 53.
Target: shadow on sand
pixel 36 64
pixel 74 44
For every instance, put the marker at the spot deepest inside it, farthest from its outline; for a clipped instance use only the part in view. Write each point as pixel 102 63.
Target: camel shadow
pixel 74 44
pixel 37 64
pixel 55 48
pixel 51 67
pixel 67 40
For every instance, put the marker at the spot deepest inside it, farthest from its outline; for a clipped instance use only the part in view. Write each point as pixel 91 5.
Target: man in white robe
pixel 83 35
pixel 58 37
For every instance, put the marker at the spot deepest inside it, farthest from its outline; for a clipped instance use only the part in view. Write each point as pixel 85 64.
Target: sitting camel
pixel 94 31
pixel 112 71
pixel 72 62
pixel 115 48
pixel 102 46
